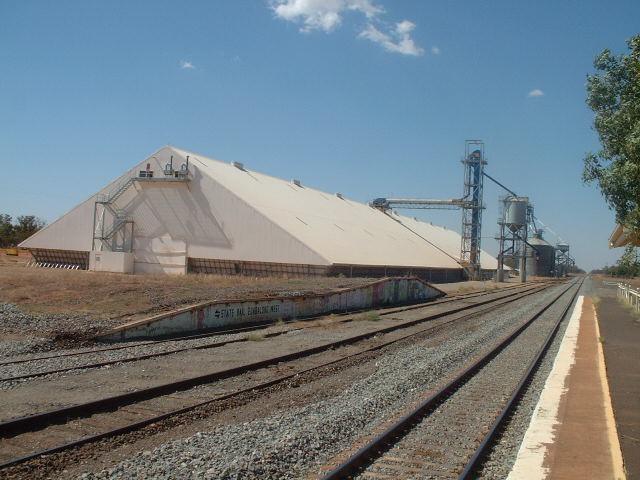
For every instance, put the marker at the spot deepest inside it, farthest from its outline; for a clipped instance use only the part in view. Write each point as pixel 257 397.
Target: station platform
pixel 586 423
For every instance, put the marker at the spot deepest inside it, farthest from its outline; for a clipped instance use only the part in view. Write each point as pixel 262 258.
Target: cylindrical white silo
pixel 515 212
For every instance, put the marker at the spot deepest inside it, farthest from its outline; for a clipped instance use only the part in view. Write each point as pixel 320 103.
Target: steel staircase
pixel 121 222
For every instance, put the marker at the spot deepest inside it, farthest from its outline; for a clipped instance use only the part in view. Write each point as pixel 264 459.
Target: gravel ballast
pixel 12 319
pixel 28 333
pixel 451 431
pixel 292 444
pixel 502 456
pixel 36 365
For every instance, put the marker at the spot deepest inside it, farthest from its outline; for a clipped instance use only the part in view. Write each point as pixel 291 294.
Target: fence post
pixel 631 296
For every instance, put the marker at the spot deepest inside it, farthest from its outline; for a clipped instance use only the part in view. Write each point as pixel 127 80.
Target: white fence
pixel 630 295
pixel 66 266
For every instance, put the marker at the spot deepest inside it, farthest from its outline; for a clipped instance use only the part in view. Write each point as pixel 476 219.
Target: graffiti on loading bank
pixel 238 312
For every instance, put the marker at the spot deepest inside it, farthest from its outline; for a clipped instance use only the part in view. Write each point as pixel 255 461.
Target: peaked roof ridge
pixel 272 177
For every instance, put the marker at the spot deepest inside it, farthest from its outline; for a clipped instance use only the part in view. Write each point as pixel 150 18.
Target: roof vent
pixel 296 182
pixel 238 165
pixel 339 195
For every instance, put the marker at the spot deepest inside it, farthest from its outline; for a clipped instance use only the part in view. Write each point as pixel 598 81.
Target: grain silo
pixel 541 258
pixel 177 212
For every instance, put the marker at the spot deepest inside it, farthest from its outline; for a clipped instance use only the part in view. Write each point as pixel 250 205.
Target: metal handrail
pixel 630 295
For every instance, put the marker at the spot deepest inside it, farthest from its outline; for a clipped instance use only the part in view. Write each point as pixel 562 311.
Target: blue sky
pixel 365 97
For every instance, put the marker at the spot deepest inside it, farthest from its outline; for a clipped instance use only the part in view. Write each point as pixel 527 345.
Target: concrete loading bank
pixel 389 291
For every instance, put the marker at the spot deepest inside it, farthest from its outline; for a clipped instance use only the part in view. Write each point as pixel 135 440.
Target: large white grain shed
pixel 178 212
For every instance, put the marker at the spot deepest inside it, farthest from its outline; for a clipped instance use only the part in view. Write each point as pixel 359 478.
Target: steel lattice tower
pixel 474 163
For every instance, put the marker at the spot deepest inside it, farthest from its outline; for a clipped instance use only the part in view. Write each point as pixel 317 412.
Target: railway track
pixel 194 342
pixel 448 434
pixel 251 328
pixel 63 429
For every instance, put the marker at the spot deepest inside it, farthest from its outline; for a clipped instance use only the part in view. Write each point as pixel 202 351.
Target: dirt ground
pixel 22 258
pixel 43 290
pixel 110 295
pixel 102 300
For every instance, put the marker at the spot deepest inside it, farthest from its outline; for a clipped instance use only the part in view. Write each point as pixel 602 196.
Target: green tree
pixel 629 263
pixel 27 225
pixel 575 269
pixel 614 96
pixel 6 230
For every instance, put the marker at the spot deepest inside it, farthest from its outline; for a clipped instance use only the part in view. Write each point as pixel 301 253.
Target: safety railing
pixel 630 295
pixel 65 266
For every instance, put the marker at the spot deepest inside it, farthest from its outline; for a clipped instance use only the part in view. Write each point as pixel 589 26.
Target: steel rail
pixel 232 331
pixel 136 358
pixel 255 388
pixel 137 344
pixel 39 420
pixel 188 348
pixel 464 296
pixel 490 436
pixel 379 444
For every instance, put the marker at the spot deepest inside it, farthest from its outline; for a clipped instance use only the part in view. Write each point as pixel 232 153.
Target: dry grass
pixel 472 286
pixel 22 258
pixel 321 323
pixel 634 282
pixel 42 290
pixel 369 316
pixel 465 289
pixel 327 321
pixel 629 308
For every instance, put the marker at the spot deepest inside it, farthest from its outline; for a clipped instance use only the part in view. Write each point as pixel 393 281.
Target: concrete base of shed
pixel 117 262
pixel 177 263
pixel 241 267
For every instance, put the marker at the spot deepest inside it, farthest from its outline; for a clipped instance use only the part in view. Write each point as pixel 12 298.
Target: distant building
pixel 177 212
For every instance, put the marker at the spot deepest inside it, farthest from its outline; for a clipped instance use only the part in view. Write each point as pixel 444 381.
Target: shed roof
pixel 341 230
pixel 231 212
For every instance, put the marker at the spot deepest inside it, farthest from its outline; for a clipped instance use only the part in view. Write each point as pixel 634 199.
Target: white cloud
pixel 321 14
pixel 187 64
pixel 396 40
pixel 326 15
pixel 435 50
pixel 536 93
